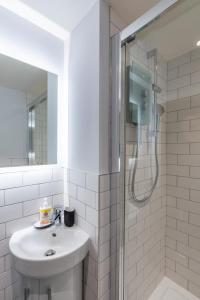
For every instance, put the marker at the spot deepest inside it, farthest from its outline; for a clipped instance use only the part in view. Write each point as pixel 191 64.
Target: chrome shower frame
pixel 126 36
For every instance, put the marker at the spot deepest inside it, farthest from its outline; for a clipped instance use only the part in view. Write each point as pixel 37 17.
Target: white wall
pixel 21 189
pixel 84 94
pixel 88 92
pixel 28 43
pixel 104 90
pixel 89 134
pixel 13 125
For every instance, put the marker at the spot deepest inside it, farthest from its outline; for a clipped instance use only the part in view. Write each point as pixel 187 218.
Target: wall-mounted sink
pixel 47 252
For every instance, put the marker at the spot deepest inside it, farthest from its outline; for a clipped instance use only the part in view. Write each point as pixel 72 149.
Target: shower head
pixel 159 110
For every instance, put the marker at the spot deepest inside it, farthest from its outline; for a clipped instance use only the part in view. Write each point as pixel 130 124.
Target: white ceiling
pixel 176 32
pixel 130 10
pixel 65 13
pixel 184 23
pixel 68 13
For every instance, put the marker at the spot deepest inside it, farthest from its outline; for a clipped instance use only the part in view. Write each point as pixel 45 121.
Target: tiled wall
pixel 145 225
pixel 83 193
pixel 163 237
pixel 183 172
pixel 179 216
pixel 96 200
pixel 90 195
pixel 21 193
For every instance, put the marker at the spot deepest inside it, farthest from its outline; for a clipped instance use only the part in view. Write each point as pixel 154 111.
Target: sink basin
pixel 46 252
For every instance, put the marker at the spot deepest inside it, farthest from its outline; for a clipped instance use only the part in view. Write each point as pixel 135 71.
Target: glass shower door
pixel 143 252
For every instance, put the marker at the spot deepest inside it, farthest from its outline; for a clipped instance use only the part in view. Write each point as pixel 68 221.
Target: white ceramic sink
pixel 29 246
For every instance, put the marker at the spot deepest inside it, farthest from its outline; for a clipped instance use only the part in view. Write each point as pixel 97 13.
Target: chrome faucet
pixel 58 215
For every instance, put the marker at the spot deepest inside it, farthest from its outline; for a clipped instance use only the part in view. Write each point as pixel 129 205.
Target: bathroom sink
pixel 46 252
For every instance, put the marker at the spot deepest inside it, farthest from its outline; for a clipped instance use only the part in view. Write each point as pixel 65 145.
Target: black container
pixel 69 214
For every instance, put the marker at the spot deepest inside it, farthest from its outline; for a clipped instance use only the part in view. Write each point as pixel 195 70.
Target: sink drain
pixel 50 252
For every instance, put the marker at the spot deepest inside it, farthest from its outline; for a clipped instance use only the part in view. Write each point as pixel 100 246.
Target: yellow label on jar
pixel 45 215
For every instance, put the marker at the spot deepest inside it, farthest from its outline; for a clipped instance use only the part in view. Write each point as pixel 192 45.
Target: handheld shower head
pixel 159 111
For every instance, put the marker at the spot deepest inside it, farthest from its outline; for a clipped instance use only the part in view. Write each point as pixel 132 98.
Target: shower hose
pixel 132 175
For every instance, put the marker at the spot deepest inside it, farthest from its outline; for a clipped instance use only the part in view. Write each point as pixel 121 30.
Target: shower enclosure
pixel 158 219
pixel 144 221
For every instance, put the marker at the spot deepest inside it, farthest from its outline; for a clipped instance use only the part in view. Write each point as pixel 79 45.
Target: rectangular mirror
pixel 28 114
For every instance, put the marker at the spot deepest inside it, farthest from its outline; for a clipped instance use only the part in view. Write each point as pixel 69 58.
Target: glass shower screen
pixel 141 133
pixel 141 108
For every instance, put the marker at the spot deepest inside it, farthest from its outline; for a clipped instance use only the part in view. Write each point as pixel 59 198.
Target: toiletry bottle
pixel 45 212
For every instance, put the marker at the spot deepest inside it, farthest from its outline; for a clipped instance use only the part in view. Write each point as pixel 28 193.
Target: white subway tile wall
pixel 20 198
pixel 163 236
pixel 90 195
pixel 144 264
pixel 183 172
pixel 83 192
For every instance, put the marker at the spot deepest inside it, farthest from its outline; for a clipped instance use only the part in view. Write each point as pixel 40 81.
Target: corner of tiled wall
pixel 83 193
pixel 90 195
pixel 108 212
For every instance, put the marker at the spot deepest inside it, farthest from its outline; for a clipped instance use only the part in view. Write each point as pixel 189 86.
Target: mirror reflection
pixel 28 114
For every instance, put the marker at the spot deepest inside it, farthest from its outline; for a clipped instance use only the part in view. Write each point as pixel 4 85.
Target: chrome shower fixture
pixel 159 112
pixel 156 88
